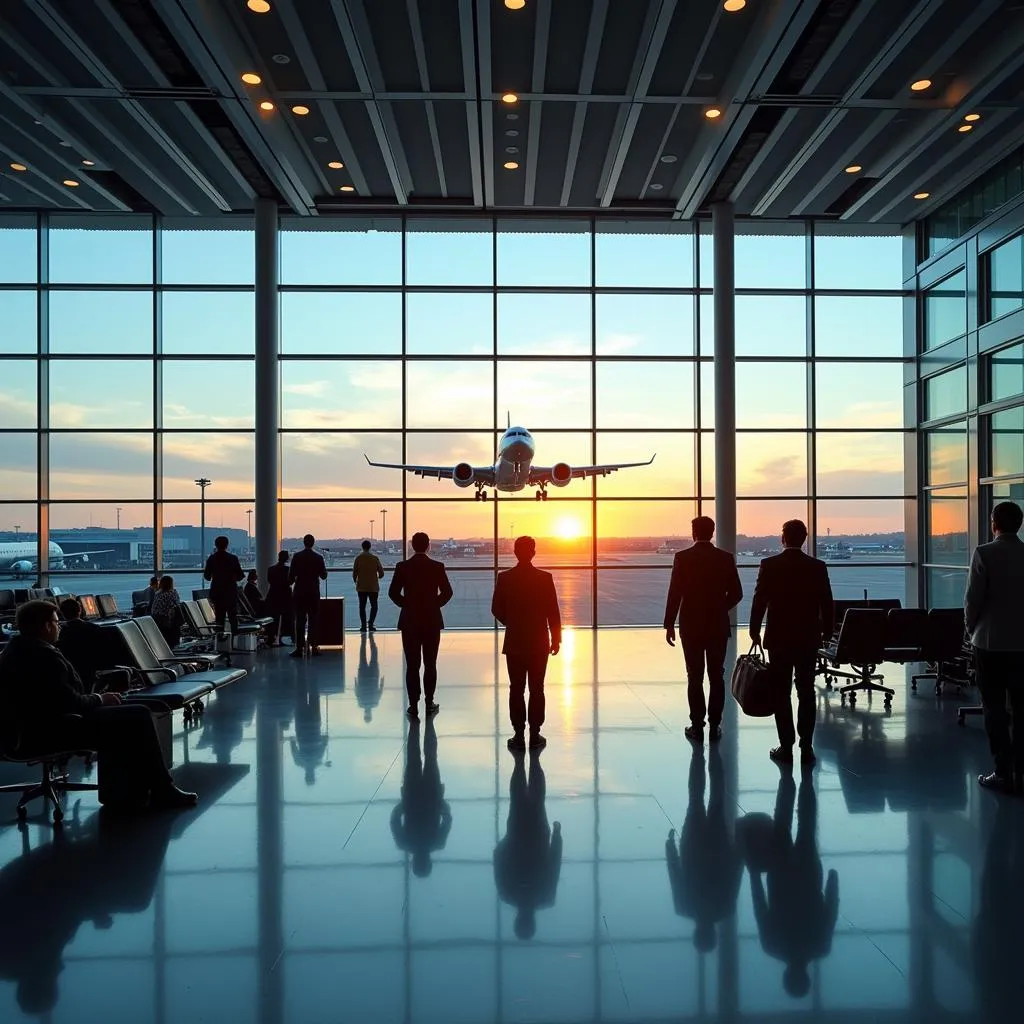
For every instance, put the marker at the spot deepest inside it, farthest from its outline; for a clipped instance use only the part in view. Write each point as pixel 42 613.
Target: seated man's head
pixel 154 582
pixel 38 620
pixel 308 541
pixel 166 582
pixel 794 533
pixel 525 548
pixel 1007 517
pixel 702 528
pixel 221 543
pixel 70 608
pixel 254 576
pixel 366 545
pixel 420 543
pixel 282 557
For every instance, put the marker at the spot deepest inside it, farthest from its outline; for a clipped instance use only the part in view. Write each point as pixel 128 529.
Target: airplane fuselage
pixel 20 556
pixel 516 450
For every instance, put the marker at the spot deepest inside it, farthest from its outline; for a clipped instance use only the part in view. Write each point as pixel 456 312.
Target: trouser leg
pixel 693 656
pixel 807 698
pixel 233 615
pixel 517 671
pixel 431 645
pixel 782 666
pixel 313 618
pixel 363 595
pixel 374 597
pixel 992 686
pixel 301 611
pixel 538 668
pixel 714 653
pixel 1015 689
pixel 413 646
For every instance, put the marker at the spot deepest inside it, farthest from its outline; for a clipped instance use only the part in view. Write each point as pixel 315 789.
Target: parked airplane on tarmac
pixel 513 470
pixel 20 557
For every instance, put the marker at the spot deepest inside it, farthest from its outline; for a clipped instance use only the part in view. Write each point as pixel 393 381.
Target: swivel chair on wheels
pixel 861 645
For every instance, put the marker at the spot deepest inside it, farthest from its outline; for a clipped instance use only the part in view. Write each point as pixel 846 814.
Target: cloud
pixel 316 388
pixel 381 377
pixel 615 344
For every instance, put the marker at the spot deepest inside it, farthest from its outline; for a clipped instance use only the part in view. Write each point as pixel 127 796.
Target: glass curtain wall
pixel 128 349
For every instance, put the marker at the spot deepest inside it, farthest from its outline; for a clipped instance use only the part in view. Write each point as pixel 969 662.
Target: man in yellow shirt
pixel 367 573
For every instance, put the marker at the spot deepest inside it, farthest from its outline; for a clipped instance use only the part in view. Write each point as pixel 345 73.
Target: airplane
pixel 513 470
pixel 21 557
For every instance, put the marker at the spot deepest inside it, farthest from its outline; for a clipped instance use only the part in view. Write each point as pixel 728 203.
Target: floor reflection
pixel 421 821
pixel 369 682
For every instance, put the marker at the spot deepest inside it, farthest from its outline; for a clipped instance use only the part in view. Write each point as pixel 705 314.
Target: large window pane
pixel 859 395
pixel 17 393
pixel 82 393
pixel 531 254
pixel 670 475
pixel 461 256
pixel 101 466
pixel 641 325
pixel 105 536
pixel 17 523
pixel 1007 442
pixel 946 455
pixel 454 528
pixel 766 325
pixel 1006 277
pixel 872 528
pixel 210 394
pixel 769 395
pixel 775 260
pixel 759 525
pixel 447 323
pixel 344 395
pixel 561 526
pixel 476 448
pixel 1006 373
pixel 341 323
pixel 544 324
pixel 187 545
pixel 770 465
pixel 631 596
pixel 881 582
pixel 945 587
pixel 450 394
pixel 372 256
pixel 228 460
pixel 632 532
pixel 18 256
pixel 858 325
pixel 207 256
pixel 329 465
pixel 859 464
pixel 645 395
pixel 635 255
pixel 945 310
pixel 209 323
pixel 548 395
pixel 101 322
pixel 946 394
pixel 19 466
pixel 946 540
pixel 857 261
pixel 18 312
pixel 101 251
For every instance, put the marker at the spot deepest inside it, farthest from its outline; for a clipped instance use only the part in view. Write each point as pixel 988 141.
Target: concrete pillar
pixel 722 226
pixel 268 469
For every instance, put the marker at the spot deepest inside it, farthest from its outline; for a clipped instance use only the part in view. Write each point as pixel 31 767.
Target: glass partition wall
pixel 127 380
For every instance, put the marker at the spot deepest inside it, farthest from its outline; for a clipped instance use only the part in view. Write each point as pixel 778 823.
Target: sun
pixel 568 528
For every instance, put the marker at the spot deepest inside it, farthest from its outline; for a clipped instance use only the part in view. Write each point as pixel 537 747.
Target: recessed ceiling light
pixel 921 195
pixel 510 165
pixel 509 97
pixel 512 133
pixel 712 112
pixel 511 149
pixel 966 128
pixel 668 158
pixel 336 165
pixel 656 187
pixel 266 105
pixel 281 58
pixel 921 84
pixel 66 145
pixel 734 5
pixel 18 167
pixel 972 117
pixel 251 78
pixel 300 110
pixel 320 138
pixel 258 6
pixel 71 183
pixel 853 168
pixel 704 76
pixel 348 188
pixel 515 5
pixel 88 163
pixel 511 117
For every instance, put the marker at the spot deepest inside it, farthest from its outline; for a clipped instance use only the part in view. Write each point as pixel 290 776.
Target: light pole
pixel 118 511
pixel 248 533
pixel 372 521
pixel 202 483
pixel 17 530
pixel 384 526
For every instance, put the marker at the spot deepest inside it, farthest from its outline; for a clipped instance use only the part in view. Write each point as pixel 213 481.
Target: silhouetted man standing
pixel 308 569
pixel 526 604
pixel 279 599
pixel 367 572
pixel 994 615
pixel 794 591
pixel 421 589
pixel 224 572
pixel 704 588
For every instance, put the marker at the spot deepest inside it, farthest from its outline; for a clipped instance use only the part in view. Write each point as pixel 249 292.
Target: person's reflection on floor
pixel 705 870
pixel 86 873
pixel 528 860
pixel 310 742
pixel 421 821
pixel 795 918
pixel 995 942
pixel 369 684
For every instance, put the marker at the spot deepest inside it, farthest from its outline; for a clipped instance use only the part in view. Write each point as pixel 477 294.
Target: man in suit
pixel 223 570
pixel 421 589
pixel 793 590
pixel 308 569
pixel 994 614
pixel 278 602
pixel 704 589
pixel 526 604
pixel 81 642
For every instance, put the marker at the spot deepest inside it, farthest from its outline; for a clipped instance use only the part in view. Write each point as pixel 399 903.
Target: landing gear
pixel 481 495
pixel 542 494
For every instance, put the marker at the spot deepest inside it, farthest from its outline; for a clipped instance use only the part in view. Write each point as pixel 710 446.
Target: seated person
pixel 40 689
pixel 81 642
pixel 252 592
pixel 166 611
pixel 154 586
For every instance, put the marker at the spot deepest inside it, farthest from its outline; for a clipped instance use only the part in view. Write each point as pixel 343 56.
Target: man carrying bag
pixel 753 685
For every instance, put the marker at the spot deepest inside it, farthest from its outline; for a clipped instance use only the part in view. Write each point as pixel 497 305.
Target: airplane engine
pixel 463 474
pixel 561 474
pixel 23 566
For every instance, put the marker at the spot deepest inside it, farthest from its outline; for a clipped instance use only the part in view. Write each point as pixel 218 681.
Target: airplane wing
pixel 544 474
pixel 483 474
pixel 84 554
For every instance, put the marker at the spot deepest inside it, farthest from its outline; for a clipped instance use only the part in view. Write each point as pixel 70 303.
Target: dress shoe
pixel 714 733
pixel 412 711
pixel 516 742
pixel 807 756
pixel 537 742
pixel 372 628
pixel 432 708
pixel 694 733
pixel 781 755
pixel 994 781
pixel 172 798
pixel 315 652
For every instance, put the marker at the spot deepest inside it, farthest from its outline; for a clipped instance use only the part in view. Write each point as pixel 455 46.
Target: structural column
pixel 725 375
pixel 268 469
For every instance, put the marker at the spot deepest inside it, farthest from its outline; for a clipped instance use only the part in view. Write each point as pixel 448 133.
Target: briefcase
pixel 753 684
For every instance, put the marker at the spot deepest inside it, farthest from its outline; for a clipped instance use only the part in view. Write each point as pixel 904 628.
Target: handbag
pixel 753 684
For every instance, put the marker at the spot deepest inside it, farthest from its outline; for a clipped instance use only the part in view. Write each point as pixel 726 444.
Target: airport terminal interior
pixel 579 270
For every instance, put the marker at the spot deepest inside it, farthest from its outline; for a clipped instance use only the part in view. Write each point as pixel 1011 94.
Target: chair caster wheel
pixel 22 814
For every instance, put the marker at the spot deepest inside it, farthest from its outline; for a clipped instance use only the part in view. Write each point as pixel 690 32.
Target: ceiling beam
pixel 420 47
pixel 485 92
pixel 467 38
pixel 542 30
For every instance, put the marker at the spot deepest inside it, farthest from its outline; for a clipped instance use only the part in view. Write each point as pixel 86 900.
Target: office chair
pixel 944 648
pixel 861 645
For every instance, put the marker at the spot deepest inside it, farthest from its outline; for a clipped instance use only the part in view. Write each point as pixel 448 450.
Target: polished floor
pixel 343 866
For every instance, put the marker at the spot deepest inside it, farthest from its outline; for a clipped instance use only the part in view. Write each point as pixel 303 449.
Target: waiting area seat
pixel 165 653
pixel 108 607
pixel 945 649
pixel 244 624
pixel 861 645
pixel 905 633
